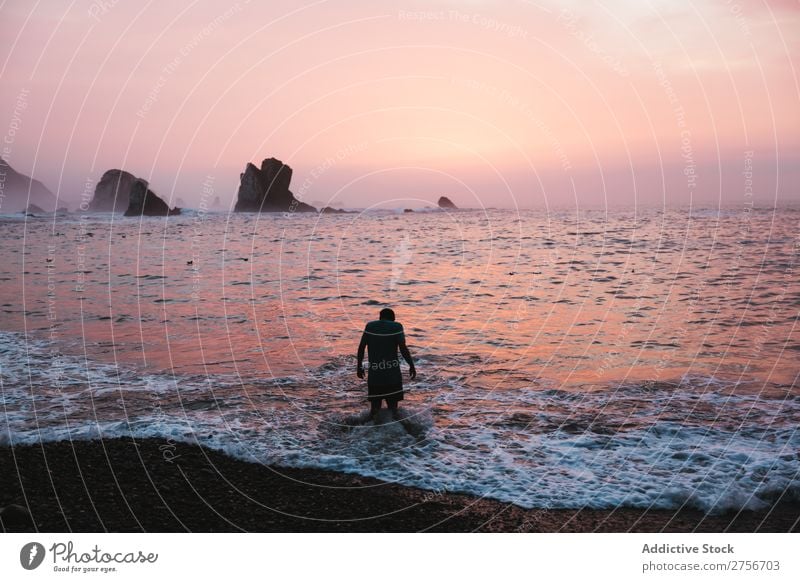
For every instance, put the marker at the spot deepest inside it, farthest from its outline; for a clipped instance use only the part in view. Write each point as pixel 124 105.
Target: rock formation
pixel 33 209
pixel 267 189
pixel 144 202
pixel 17 191
pixel 445 202
pixel 332 210
pixel 112 193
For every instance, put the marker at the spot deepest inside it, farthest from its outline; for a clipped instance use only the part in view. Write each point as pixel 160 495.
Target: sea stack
pixel 266 189
pixel 144 202
pixel 112 193
pixel 445 202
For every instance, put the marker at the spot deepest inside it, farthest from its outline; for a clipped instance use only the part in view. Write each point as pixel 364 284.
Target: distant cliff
pixel 267 189
pixel 17 191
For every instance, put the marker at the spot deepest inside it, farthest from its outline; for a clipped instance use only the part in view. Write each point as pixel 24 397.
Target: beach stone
pixel 445 202
pixel 112 193
pixel 144 202
pixel 266 189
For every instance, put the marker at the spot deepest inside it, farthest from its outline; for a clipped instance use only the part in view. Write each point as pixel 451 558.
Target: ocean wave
pixel 691 442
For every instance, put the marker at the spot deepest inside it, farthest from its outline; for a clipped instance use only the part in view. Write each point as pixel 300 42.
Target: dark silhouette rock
pixel 251 190
pixel 445 202
pixel 19 190
pixel 331 210
pixel 277 176
pixel 408 210
pixel 144 202
pixel 112 193
pixel 267 189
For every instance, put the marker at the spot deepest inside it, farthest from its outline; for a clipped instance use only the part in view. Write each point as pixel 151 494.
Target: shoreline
pixel 156 485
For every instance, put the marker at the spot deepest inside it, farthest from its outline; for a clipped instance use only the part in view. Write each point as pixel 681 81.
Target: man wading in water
pixel 383 338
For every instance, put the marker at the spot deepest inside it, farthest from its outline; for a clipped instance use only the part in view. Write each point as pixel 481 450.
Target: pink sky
pixel 491 103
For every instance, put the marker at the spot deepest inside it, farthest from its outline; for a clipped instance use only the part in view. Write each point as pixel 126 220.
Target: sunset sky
pixel 492 103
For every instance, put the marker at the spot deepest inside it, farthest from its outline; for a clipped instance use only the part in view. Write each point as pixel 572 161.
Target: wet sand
pixel 153 485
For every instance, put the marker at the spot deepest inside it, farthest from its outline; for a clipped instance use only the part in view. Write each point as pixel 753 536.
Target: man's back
pixel 383 339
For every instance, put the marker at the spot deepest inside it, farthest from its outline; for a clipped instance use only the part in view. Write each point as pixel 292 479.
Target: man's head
pixel 387 314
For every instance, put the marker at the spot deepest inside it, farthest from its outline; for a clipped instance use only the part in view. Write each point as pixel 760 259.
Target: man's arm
pixel 361 347
pixel 412 371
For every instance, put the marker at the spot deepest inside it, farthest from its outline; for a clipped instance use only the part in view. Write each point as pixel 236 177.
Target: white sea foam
pixel 663 446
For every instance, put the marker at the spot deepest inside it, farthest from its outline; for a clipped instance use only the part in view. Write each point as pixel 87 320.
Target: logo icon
pixel 31 555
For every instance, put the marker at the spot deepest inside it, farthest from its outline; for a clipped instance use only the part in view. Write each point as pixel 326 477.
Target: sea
pixel 566 358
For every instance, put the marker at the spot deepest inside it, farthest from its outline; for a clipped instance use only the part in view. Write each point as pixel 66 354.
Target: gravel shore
pixel 122 485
